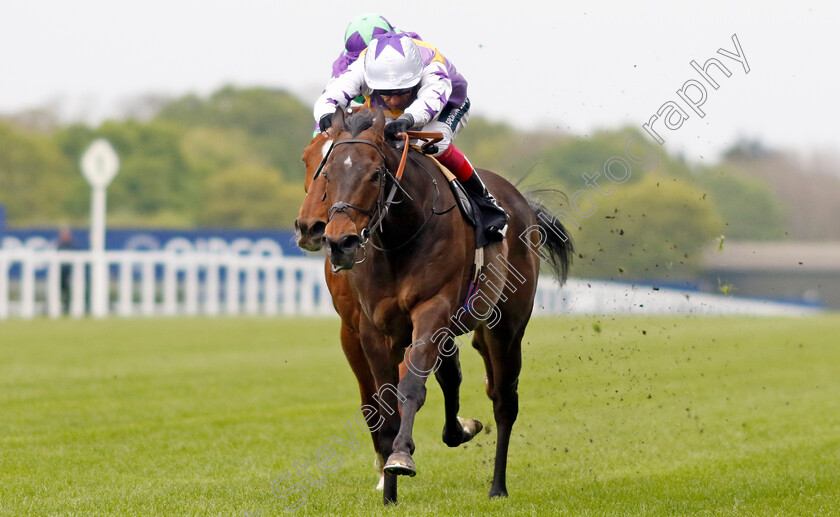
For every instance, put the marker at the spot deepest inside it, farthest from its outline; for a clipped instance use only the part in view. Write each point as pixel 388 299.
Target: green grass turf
pixel 618 416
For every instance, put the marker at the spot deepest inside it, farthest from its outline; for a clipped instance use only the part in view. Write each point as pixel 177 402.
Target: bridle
pixel 384 199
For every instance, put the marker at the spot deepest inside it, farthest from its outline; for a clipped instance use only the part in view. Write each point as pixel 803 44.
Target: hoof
pixel 400 464
pixel 467 431
pixel 471 427
pixel 498 492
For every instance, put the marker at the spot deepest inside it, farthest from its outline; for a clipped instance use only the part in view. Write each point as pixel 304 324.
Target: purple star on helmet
pixel 389 39
pixel 332 101
pixel 429 110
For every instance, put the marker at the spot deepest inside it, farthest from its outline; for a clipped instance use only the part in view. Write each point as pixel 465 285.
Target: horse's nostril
pixel 318 228
pixel 350 242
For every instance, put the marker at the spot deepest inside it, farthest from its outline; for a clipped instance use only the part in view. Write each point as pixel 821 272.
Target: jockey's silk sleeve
pixel 341 90
pixel 434 93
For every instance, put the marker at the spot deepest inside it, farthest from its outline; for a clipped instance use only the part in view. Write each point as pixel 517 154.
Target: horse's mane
pixel 358 122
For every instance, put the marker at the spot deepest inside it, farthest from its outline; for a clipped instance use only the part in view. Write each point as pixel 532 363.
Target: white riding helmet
pixel 392 62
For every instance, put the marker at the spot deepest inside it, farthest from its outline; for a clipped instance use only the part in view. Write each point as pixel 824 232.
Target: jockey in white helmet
pixel 418 88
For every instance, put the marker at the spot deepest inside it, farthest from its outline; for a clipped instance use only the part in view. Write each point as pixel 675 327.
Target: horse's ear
pixel 379 123
pixel 338 121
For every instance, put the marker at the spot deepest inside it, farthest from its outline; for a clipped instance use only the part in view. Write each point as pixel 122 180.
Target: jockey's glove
pixel 325 122
pixel 400 125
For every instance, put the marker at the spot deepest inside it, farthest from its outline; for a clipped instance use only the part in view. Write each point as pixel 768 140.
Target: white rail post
pixel 27 285
pixel 54 285
pixel 270 267
pixel 252 286
pixel 211 287
pixel 170 285
pixel 148 282
pixel 289 289
pixel 191 286
pixel 4 286
pixel 307 292
pixel 78 291
pixel 232 285
pixel 126 306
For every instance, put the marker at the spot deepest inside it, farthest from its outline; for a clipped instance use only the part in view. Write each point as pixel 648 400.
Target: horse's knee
pixel 413 393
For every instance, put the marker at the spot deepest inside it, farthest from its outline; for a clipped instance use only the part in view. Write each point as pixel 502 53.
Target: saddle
pixel 470 206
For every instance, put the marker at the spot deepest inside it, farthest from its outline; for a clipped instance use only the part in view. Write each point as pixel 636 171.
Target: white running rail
pixel 154 283
pixel 150 283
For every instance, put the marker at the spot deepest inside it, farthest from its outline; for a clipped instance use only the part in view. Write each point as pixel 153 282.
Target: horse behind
pixel 309 227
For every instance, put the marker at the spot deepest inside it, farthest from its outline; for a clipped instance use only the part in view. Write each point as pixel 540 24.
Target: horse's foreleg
pixel 422 359
pixel 390 426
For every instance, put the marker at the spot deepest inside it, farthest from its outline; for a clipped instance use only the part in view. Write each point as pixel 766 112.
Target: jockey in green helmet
pixel 359 32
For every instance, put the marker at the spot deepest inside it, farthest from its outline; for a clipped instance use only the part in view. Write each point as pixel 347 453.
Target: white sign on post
pixel 100 164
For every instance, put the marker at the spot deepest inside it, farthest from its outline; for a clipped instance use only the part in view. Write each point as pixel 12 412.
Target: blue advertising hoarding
pixel 264 242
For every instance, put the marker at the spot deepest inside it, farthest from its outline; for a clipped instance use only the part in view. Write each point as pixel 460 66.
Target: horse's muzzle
pixel 342 251
pixel 310 233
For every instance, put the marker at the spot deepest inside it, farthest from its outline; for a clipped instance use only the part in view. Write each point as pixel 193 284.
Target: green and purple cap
pixel 361 29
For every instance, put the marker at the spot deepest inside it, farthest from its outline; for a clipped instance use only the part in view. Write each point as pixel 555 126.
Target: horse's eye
pixel 374 177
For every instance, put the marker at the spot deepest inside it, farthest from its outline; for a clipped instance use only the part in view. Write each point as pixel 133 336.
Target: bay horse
pixel 309 227
pixel 408 258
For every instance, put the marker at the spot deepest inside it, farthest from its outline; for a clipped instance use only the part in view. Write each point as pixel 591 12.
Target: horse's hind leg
pixel 455 429
pixel 501 349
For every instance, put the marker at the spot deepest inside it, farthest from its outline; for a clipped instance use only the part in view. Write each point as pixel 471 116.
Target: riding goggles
pixel 393 93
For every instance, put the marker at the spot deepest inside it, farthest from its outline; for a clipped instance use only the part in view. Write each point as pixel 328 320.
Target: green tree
pixel 155 184
pixel 32 184
pixel 656 228
pixel 209 149
pixel 278 125
pixel 748 207
pixel 572 157
pixel 250 196
pixel 499 147
pixel 73 140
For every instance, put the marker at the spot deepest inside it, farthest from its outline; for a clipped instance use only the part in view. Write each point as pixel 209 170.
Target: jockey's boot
pixel 494 217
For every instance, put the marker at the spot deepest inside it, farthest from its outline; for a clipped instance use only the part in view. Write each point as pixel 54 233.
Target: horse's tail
pixel 557 242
